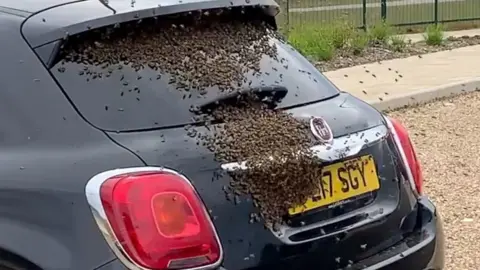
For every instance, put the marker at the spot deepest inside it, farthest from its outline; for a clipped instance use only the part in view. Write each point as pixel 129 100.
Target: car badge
pixel 321 130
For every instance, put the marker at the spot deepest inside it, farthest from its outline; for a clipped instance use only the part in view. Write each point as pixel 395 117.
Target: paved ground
pixel 445 134
pixel 394 3
pixel 388 79
pixel 461 33
pixel 446 137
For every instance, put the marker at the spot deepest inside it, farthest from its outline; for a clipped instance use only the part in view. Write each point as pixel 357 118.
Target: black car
pixel 87 170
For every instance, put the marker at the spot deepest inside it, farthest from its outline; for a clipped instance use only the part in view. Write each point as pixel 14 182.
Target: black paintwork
pixel 49 151
pixel 423 249
pixel 80 16
pixel 172 148
pixel 33 6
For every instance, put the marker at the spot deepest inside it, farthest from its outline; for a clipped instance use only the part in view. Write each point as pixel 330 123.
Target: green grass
pixel 434 35
pixel 322 41
pixel 397 43
pixel 322 3
pixel 412 13
pixel 359 42
pixel 380 32
pixel 313 45
pixel 320 35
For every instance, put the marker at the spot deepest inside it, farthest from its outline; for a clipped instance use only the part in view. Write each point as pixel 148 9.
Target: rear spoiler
pixel 59 22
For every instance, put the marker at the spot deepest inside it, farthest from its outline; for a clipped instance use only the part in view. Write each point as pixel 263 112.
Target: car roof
pixel 55 19
pixel 30 6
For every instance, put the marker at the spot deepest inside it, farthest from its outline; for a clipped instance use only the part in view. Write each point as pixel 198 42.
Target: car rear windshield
pixel 148 74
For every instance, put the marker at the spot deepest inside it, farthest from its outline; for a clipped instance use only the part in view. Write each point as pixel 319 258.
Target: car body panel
pixel 33 6
pixel 14 12
pixel 424 249
pixel 48 154
pixel 62 21
pixel 250 245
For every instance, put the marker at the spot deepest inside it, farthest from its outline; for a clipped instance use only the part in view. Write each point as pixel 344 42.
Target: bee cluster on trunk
pixel 217 48
pixel 281 169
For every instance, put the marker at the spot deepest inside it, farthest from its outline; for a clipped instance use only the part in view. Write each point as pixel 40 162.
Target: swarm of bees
pixel 200 52
pixel 281 169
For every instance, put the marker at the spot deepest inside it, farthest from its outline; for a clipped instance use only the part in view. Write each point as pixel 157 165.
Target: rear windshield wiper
pixel 270 95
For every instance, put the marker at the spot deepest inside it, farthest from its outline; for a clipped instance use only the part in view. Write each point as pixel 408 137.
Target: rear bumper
pixel 423 250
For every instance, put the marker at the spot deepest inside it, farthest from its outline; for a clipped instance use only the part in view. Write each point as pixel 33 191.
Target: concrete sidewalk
pixel 417 79
pixel 461 33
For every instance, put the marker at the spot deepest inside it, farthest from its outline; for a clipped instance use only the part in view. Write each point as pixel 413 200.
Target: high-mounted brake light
pixel 153 218
pixel 407 151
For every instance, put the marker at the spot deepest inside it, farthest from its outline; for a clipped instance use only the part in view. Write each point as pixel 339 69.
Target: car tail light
pixel 154 219
pixel 407 151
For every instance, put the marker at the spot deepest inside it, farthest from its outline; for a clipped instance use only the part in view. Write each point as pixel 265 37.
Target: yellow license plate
pixel 341 181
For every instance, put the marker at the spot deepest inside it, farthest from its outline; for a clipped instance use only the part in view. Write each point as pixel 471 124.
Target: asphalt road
pixel 446 135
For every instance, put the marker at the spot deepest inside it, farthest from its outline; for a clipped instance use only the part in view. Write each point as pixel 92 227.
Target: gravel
pixel 446 137
pixel 372 54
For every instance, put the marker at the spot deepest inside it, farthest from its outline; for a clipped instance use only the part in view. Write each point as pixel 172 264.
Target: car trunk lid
pixel 360 133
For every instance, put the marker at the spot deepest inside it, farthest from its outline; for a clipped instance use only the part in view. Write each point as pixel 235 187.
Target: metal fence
pixel 367 12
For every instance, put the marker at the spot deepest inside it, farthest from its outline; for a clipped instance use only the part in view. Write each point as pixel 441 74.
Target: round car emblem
pixel 321 130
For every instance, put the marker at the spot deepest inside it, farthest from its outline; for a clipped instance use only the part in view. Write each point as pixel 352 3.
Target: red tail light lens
pixel 158 220
pixel 409 155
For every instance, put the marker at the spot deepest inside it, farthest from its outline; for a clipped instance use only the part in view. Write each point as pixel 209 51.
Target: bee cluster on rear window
pixel 203 49
pixel 197 49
